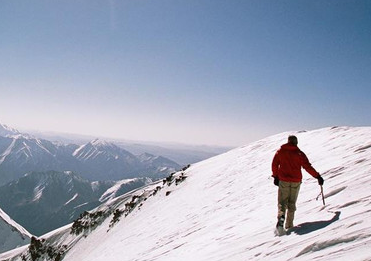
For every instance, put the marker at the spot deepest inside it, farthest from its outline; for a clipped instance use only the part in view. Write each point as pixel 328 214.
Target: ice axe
pixel 323 196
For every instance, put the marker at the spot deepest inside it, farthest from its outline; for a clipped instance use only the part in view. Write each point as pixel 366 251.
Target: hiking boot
pixel 280 221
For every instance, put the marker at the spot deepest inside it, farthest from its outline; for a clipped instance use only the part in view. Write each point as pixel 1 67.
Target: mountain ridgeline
pixel 12 234
pixel 96 160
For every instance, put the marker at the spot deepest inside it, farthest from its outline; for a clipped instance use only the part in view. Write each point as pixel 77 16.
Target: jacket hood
pixel 289 146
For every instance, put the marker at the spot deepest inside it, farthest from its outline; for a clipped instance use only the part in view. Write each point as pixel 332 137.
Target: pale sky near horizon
pixel 192 71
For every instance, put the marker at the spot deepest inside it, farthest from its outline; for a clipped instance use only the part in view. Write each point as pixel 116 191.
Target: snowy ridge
pixel 13 234
pixel 11 222
pixel 95 148
pixel 7 151
pixel 23 154
pixel 226 209
pixel 113 191
pixel 6 130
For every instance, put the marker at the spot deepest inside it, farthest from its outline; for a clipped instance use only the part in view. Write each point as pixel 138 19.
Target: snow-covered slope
pixel 12 235
pixel 21 154
pixel 226 209
pixel 123 186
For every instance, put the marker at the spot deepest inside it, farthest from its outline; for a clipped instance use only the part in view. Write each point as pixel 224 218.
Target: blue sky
pixel 190 71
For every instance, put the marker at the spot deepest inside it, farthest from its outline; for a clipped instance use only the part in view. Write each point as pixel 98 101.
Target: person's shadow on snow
pixel 309 227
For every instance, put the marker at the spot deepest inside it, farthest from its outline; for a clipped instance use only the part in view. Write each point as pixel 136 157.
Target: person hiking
pixel 286 168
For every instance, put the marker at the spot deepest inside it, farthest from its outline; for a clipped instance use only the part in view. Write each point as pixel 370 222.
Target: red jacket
pixel 287 164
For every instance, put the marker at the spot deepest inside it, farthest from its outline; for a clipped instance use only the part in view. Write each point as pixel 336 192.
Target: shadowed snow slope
pixel 226 208
pixel 12 234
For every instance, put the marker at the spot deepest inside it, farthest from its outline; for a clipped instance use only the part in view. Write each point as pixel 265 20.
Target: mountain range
pixel 183 154
pixel 95 160
pixel 43 201
pixel 225 208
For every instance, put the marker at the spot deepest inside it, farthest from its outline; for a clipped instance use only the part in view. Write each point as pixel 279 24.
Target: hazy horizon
pixel 90 137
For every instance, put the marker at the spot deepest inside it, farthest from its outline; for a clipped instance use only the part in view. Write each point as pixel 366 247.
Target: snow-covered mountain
pixel 96 160
pixel 225 208
pixel 106 161
pixel 43 201
pixel 12 234
pixel 182 154
pixel 122 187
pixel 6 130
pixel 20 154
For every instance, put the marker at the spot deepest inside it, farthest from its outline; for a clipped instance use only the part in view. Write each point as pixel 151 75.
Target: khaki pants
pixel 287 196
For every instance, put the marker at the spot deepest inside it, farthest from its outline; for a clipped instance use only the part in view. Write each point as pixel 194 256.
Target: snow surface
pixel 7 151
pixel 226 209
pixel 12 234
pixel 72 199
pixel 111 192
pixel 93 149
pixel 38 192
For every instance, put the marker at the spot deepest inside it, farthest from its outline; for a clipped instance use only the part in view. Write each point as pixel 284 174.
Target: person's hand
pixel 320 180
pixel 276 181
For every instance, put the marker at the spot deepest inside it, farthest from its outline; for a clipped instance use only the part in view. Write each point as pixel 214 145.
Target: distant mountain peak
pixel 96 145
pixel 22 136
pixel 101 143
pixel 6 130
pixel 69 173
